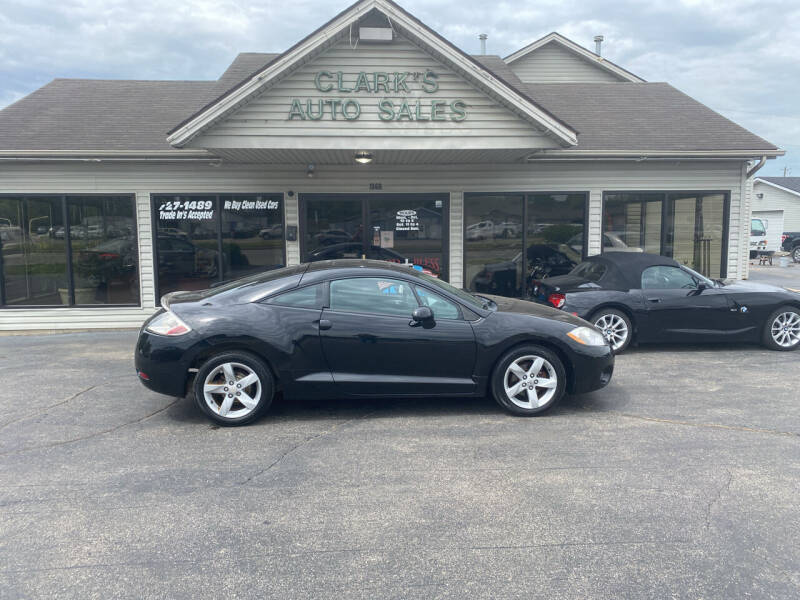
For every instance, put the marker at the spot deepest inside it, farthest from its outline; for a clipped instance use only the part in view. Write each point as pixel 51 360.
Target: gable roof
pixel 463 64
pixel 578 50
pixel 787 184
pixel 97 114
pixel 643 117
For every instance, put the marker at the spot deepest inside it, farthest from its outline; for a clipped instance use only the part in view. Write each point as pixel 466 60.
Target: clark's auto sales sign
pixel 382 84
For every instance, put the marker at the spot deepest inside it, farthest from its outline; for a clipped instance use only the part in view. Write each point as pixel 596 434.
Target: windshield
pixel 464 296
pixel 699 278
pixel 589 270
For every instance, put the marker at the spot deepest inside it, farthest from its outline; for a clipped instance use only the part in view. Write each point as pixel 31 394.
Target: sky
pixel 740 57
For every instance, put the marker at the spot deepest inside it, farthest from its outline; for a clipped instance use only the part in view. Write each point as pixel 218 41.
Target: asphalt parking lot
pixel 681 479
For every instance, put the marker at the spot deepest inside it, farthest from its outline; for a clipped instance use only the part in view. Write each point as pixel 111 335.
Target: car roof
pixel 624 269
pixel 352 266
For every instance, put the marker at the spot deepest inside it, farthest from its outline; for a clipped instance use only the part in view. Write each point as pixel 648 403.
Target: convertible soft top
pixel 624 269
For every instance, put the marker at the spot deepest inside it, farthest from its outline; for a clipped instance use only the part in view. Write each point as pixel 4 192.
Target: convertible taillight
pixel 557 300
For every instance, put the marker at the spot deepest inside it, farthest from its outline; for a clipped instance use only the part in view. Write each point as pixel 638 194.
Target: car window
pixel 667 278
pixel 306 297
pixel 757 228
pixel 442 308
pixel 373 295
pixel 591 271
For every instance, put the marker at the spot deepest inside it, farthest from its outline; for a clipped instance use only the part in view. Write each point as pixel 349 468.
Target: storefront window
pixel 252 234
pixel 400 228
pixel 205 239
pixel 692 224
pixel 502 257
pixel 493 243
pixel 37 260
pixel 105 262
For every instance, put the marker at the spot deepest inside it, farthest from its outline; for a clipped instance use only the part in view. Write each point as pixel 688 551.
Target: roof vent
pixel 598 42
pixel 482 37
pixel 375 35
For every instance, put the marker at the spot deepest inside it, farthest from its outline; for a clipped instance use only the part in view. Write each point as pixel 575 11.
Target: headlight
pixel 168 323
pixel 587 336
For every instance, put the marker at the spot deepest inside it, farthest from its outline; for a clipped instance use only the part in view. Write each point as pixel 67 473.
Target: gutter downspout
pixel 757 167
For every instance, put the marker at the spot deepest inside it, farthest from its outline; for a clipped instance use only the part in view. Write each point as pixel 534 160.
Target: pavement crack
pixel 95 434
pixel 46 408
pixel 299 445
pixel 725 487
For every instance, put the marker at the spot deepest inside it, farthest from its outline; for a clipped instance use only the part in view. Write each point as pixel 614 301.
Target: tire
pixel 796 254
pixel 221 406
pixel 782 329
pixel 616 327
pixel 529 401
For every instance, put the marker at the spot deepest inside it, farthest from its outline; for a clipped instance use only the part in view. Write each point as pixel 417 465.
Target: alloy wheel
pixel 785 329
pixel 614 329
pixel 232 390
pixel 796 255
pixel 530 382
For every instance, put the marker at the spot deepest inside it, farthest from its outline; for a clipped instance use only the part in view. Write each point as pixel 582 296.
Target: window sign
pixel 202 240
pixel 407 220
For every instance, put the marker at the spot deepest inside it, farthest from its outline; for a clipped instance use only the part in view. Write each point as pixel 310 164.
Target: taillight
pixel 108 255
pixel 557 300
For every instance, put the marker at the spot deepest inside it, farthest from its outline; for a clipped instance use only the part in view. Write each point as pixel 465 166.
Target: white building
pixel 372 136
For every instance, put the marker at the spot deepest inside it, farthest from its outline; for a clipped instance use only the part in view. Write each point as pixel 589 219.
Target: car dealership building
pixel 373 136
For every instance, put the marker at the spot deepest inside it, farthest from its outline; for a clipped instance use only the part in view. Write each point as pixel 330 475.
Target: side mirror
pixel 421 314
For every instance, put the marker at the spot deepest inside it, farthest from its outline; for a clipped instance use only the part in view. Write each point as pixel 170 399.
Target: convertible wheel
pixel 782 329
pixel 616 328
pixel 796 255
pixel 528 380
pixel 233 388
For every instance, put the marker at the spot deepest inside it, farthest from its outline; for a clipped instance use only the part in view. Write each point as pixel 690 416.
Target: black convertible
pixel 650 298
pixel 363 328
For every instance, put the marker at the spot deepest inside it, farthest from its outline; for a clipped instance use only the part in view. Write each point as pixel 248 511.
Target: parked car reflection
pixel 504 278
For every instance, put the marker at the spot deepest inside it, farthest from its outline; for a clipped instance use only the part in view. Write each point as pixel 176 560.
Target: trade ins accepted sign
pixel 383 83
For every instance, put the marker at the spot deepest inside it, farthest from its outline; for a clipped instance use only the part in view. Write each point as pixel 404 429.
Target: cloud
pixel 737 56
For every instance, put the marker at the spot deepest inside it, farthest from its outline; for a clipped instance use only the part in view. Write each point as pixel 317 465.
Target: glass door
pixel 399 228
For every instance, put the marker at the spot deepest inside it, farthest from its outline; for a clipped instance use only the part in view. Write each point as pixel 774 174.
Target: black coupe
pixel 651 298
pixel 363 328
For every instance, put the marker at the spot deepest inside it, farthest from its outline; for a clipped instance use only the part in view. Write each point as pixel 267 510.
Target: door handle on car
pixel 654 299
pixel 325 324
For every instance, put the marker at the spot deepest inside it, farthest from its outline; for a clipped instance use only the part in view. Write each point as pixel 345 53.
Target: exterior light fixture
pixel 310 170
pixel 363 158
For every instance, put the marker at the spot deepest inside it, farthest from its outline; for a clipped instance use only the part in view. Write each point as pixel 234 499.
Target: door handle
pixel 654 299
pixel 325 324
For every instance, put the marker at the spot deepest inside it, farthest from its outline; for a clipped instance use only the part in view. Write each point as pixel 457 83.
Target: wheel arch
pixel 247 346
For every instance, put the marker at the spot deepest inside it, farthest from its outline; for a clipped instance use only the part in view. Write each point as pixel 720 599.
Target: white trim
pixel 525 107
pixel 587 55
pixel 649 154
pixel 775 185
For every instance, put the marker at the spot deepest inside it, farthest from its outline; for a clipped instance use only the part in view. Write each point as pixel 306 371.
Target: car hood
pixel 526 307
pixel 734 285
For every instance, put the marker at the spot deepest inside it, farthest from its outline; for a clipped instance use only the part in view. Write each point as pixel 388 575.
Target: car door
pixel 679 308
pixel 373 347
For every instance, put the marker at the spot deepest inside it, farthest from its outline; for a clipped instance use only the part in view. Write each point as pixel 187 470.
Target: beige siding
pixel 144 179
pixel 775 199
pixel 264 121
pixel 456 268
pixel 291 217
pixel 552 63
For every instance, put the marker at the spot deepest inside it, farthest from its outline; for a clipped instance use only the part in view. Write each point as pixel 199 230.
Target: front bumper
pixel 592 369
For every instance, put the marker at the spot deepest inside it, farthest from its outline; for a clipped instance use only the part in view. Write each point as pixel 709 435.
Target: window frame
pixel 68 251
pixel 217 226
pixel 665 218
pixel 526 197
